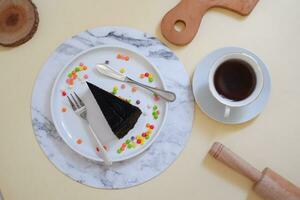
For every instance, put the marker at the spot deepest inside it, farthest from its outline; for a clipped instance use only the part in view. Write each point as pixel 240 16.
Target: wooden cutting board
pixel 189 14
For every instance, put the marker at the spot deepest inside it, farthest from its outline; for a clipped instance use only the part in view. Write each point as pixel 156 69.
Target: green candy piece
pixel 119 151
pixel 128 141
pixel 114 92
pixel 147 137
pixel 155 117
pixel 153 113
pixel 70 75
pixel 155 107
pixel 129 146
pixel 77 69
pixel 150 80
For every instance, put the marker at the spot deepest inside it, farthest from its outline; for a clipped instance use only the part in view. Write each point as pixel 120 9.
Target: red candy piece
pixel 63 93
pixel 97 149
pixel 124 145
pixel 146 74
pixel 80 64
pixel 139 141
pixel 105 147
pixel 151 127
pixel 144 134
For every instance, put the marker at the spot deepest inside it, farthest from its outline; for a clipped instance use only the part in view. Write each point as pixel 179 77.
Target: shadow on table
pixel 3 49
pixel 230 176
pixel 253 196
pixel 213 129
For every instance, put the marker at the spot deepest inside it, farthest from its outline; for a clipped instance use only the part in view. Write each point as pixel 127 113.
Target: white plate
pixel 72 128
pixel 214 109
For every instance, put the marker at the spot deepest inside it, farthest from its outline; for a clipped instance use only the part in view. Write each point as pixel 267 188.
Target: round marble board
pixel 172 136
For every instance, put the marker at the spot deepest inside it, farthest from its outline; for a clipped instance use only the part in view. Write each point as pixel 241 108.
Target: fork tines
pixel 75 102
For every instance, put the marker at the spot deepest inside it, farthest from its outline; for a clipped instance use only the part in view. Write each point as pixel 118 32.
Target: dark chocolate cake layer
pixel 120 115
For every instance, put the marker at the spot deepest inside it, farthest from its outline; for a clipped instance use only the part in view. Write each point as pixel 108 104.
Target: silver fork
pixel 80 109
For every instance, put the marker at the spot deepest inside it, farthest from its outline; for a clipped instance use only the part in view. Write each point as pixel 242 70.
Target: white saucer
pixel 214 109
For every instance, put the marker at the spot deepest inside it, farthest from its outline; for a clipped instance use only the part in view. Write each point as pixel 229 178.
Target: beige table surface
pixel 272 31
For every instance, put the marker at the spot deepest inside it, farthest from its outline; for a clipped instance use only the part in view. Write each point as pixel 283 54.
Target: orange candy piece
pixel 79 141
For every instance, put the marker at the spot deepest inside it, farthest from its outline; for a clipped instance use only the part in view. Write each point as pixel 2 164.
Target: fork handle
pixel 165 94
pixel 106 159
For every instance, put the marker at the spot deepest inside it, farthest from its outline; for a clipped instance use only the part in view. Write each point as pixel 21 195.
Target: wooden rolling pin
pixel 268 184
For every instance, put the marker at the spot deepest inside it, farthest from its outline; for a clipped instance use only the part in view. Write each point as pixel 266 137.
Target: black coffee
pixel 235 79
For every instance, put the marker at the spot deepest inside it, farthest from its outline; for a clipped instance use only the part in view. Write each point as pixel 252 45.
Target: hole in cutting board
pixel 179 26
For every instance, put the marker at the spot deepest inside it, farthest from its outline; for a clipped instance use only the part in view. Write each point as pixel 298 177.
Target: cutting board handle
pixel 190 13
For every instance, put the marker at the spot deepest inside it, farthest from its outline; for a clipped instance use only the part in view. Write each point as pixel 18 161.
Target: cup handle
pixel 227 111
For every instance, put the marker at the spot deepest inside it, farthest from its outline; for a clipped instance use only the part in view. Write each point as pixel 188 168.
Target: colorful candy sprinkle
pixel 156 97
pixel 115 90
pixel 123 86
pixel 97 149
pixel 64 109
pixel 122 57
pixel 136 140
pixel 79 141
pixel 122 70
pixel 155 112
pixel 138 102
pixel 133 89
pixel 73 75
pixel 85 76
pixel 147 75
pixel 63 93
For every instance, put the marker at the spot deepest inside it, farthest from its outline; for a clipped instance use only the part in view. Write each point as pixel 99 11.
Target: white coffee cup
pixel 228 103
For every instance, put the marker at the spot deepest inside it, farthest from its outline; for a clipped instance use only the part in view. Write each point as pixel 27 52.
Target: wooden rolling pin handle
pixel 226 156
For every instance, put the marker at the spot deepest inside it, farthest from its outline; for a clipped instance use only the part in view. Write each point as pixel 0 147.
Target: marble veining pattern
pixel 161 153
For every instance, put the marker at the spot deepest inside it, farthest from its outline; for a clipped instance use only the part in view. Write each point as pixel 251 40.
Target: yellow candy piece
pixel 122 70
pixel 150 75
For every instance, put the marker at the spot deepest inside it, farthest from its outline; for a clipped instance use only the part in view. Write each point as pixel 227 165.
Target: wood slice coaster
pixel 18 22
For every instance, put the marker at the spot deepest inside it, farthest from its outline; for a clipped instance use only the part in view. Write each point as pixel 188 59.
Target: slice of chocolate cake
pixel 120 115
